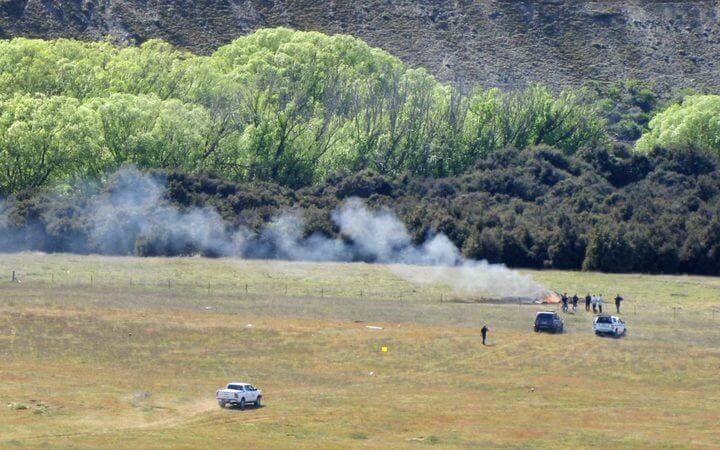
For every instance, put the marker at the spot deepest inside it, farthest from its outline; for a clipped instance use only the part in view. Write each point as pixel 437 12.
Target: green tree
pixel 281 105
pixel 44 139
pixel 59 67
pixel 694 122
pixel 151 132
pixel 608 250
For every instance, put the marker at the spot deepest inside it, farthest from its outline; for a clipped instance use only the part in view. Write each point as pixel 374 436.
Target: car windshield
pixel 544 317
pixel 603 320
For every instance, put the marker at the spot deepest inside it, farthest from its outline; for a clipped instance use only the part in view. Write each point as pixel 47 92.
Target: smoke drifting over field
pixel 132 216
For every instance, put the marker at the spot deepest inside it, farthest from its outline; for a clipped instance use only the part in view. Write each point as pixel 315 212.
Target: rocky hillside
pixel 494 42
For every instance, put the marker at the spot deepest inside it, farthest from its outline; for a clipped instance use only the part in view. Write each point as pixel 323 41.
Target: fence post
pixel 675 310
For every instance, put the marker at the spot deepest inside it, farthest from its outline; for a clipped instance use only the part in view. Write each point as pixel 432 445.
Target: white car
pixel 611 325
pixel 239 394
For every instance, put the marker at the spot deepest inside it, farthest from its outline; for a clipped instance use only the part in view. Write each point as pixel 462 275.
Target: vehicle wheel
pixel 562 329
pixel 258 402
pixel 242 403
pixel 221 403
pixel 536 329
pixel 597 333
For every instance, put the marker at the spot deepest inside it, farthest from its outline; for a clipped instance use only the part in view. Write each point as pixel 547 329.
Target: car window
pixel 250 387
pixel 236 387
pixel 603 320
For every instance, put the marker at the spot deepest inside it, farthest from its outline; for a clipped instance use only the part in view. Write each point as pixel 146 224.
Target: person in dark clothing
pixel 618 300
pixel 564 299
pixel 484 331
pixel 575 300
pixel 587 302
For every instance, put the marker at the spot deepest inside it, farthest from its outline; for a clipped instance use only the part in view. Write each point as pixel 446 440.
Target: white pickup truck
pixel 239 394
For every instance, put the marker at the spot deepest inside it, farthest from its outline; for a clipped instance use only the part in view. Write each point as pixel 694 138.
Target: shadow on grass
pixel 238 408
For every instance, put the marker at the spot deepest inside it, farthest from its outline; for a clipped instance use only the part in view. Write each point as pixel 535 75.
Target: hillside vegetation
pixel 284 120
pixel 532 208
pixel 279 105
pixel 500 43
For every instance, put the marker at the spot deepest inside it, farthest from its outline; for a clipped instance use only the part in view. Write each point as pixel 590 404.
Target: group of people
pixel 594 301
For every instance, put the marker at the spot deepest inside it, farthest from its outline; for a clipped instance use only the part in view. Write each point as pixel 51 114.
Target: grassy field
pixel 100 352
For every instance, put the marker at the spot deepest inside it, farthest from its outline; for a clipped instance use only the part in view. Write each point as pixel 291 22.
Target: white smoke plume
pixel 133 217
pixel 133 212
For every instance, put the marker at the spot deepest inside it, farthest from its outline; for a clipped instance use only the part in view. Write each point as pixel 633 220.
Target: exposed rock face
pixel 494 42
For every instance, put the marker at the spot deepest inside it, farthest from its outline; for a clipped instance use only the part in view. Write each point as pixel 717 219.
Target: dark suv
pixel 548 321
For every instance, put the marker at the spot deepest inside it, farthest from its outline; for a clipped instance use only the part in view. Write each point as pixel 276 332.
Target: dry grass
pixel 115 365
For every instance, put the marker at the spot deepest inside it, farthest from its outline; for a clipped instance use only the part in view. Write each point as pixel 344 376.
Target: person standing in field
pixel 575 300
pixel 594 303
pixel 618 300
pixel 484 331
pixel 587 302
pixel 600 303
pixel 564 299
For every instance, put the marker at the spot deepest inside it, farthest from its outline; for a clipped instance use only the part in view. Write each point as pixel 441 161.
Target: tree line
pixel 602 178
pixel 278 105
pixel 607 210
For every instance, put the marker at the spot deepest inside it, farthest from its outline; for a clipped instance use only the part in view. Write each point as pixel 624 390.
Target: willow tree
pixel 694 122
pixel 43 139
pixel 150 132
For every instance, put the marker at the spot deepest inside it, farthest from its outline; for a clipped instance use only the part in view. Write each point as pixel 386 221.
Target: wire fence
pixel 238 286
pixel 315 289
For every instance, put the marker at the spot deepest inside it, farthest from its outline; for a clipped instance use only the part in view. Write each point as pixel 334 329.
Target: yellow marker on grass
pixel 384 349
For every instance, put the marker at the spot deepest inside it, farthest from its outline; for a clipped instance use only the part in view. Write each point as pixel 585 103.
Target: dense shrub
pixel 527 208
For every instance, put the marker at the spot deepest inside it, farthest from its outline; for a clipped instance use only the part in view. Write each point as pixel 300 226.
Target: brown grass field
pixel 102 352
